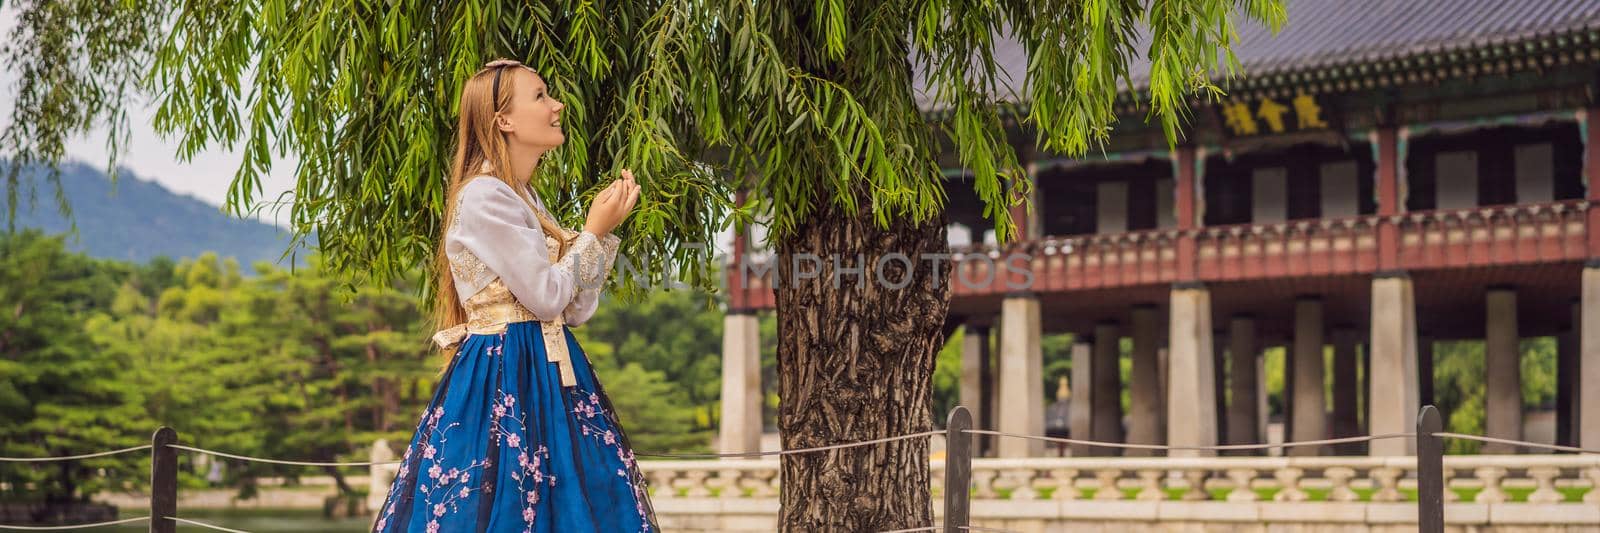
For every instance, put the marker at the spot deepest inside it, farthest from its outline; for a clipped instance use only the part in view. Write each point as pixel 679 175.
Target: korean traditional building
pixel 1381 176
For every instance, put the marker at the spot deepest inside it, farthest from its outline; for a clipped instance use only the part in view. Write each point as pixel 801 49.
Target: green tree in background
pixel 97 354
pixel 815 100
pixel 655 411
pixel 672 332
pixel 1460 385
pixel 59 395
pixel 275 365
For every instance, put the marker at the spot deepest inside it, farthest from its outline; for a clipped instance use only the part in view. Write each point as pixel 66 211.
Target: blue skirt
pixel 504 447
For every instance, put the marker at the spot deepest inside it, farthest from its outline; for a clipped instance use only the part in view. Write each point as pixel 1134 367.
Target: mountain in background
pixel 138 220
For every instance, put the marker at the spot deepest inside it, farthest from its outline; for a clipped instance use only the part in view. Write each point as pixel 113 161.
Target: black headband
pixel 496 101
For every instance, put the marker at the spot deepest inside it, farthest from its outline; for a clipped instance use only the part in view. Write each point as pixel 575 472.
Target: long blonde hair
pixel 478 142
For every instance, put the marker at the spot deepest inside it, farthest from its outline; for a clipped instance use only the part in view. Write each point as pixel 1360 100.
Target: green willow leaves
pixel 698 97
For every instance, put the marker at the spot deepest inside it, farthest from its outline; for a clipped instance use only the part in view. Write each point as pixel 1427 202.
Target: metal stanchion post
pixel 1430 472
pixel 957 470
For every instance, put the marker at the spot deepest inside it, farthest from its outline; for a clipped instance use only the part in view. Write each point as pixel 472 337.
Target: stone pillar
pixel 379 476
pixel 1287 395
pixel 740 429
pixel 1191 411
pixel 974 357
pixel 1021 387
pixel 1503 397
pixel 1425 370
pixel 1393 375
pixel 1309 411
pixel 1345 388
pixel 1569 386
pixel 1147 407
pixel 988 394
pixel 1162 366
pixel 1219 382
pixel 1263 403
pixel 1366 389
pixel 1243 412
pixel 1082 408
pixel 1107 385
pixel 1589 357
pixel 1566 376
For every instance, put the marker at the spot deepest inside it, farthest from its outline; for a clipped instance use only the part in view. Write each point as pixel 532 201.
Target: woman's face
pixel 533 119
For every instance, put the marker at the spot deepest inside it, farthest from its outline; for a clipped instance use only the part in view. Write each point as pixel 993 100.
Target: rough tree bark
pixel 855 362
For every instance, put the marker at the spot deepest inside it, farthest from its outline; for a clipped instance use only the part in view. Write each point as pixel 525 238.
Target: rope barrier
pixel 939 528
pixel 74 526
pixel 274 461
pixel 1480 438
pixel 1081 442
pixel 71 457
pixel 789 452
pixel 1223 447
pixel 204 525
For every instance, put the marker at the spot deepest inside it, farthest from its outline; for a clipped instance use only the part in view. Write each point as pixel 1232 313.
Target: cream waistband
pixel 493 318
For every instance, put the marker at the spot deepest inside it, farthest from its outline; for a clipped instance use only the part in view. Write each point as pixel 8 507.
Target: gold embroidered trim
pixel 493 307
pixel 586 262
pixel 466 266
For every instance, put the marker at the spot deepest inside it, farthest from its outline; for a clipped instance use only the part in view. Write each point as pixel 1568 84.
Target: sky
pixel 149 155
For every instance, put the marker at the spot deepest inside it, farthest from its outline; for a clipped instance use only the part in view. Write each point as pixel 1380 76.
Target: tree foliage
pixel 94 355
pixel 685 92
pixel 58 394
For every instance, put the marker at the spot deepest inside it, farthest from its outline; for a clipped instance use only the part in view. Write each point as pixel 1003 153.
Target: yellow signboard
pixel 1268 116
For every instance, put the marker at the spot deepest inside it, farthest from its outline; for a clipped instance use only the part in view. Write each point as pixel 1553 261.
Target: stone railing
pixel 1504 493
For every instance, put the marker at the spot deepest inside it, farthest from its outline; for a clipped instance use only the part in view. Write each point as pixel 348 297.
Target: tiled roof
pixel 1329 33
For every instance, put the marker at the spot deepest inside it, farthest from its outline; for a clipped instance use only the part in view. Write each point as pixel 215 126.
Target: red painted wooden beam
pixel 1388 198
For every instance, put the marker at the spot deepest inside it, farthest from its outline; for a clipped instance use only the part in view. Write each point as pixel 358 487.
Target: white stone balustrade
pixel 1507 492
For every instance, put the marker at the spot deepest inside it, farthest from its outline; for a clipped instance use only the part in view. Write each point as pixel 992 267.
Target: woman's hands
pixel 612 205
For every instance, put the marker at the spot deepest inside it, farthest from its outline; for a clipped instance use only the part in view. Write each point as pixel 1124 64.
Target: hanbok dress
pixel 519 435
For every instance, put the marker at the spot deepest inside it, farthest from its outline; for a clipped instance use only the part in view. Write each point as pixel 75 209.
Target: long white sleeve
pixel 497 227
pixel 587 300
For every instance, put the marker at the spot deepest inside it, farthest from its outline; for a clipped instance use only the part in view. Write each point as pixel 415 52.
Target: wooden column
pixel 1591 178
pixel 1187 187
pixel 1390 197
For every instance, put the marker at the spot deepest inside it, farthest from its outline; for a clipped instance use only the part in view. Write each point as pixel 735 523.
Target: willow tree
pixel 829 113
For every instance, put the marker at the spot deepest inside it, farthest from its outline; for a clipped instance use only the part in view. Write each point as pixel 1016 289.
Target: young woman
pixel 519 435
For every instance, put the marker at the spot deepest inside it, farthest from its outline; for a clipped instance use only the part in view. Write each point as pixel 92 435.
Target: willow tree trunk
pixel 856 350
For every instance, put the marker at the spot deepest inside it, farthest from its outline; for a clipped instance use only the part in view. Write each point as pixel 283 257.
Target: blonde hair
pixel 481 149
